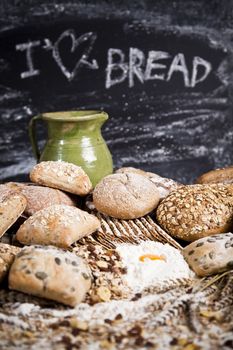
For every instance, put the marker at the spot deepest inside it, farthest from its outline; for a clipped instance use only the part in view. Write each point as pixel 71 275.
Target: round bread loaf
pixel 40 197
pixel 164 185
pixel 125 196
pixel 209 255
pixel 195 211
pixel 223 175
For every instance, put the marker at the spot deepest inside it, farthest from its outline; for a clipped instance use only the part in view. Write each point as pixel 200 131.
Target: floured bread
pixel 62 175
pixel 40 197
pixel 51 273
pixel 209 255
pixel 125 196
pixel 58 225
pixel 12 205
pixel 164 185
pixel 7 255
pixel 195 211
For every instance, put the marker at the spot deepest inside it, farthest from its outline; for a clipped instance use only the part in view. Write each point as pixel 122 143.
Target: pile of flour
pixel 152 273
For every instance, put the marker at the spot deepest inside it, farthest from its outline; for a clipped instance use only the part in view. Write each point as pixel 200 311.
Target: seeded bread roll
pixel 50 273
pixel 195 211
pixel 125 196
pixel 12 205
pixel 224 176
pixel 209 255
pixel 62 175
pixel 164 185
pixel 58 225
pixel 7 255
pixel 40 197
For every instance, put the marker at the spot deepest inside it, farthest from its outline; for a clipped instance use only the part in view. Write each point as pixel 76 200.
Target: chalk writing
pixel 137 59
pixel 198 61
pixel 137 66
pixel 118 65
pixel 179 65
pixel 29 61
pixel 76 42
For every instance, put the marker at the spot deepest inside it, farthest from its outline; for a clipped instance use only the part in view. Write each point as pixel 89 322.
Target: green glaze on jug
pixel 75 137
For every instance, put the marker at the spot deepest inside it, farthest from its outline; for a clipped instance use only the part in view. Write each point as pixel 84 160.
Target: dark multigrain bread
pixel 209 255
pixel 51 273
pixel 125 196
pixel 195 211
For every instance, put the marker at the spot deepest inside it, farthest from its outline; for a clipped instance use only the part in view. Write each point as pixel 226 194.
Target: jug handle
pixel 32 136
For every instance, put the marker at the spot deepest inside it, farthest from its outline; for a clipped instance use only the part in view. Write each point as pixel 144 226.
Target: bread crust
pixel 62 175
pixel 195 211
pixel 12 205
pixel 7 255
pixel 163 184
pixel 209 255
pixel 51 273
pixel 223 175
pixel 125 196
pixel 58 225
pixel 40 197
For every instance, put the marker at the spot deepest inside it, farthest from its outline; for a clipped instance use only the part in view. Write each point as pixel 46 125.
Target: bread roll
pixel 58 225
pixel 7 255
pixel 164 185
pixel 7 190
pixel 209 255
pixel 40 197
pixel 62 175
pixel 125 196
pixel 195 211
pixel 12 205
pixel 51 273
pixel 224 176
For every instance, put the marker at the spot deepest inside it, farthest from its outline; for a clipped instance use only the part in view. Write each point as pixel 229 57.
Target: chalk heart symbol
pixel 75 43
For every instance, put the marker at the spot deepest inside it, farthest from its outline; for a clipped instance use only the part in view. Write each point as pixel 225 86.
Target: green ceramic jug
pixel 75 137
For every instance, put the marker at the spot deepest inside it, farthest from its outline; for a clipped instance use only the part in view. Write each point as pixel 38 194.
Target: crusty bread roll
pixel 125 196
pixel 58 225
pixel 12 205
pixel 40 197
pixel 7 255
pixel 62 175
pixel 51 273
pixel 209 255
pixel 164 185
pixel 223 175
pixel 7 190
pixel 195 211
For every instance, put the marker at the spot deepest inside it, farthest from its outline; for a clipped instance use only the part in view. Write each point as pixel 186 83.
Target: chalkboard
pixel 163 70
